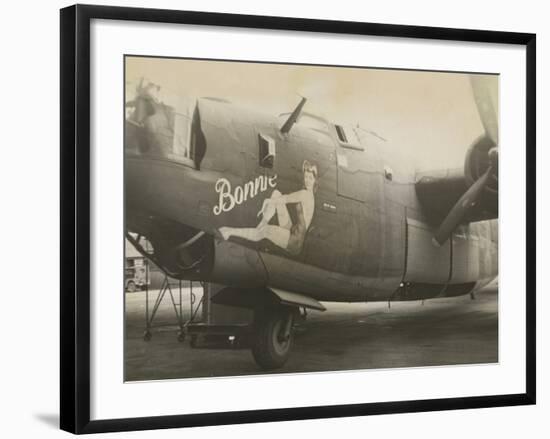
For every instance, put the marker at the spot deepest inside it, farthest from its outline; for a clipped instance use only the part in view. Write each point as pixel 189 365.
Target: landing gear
pixel 273 336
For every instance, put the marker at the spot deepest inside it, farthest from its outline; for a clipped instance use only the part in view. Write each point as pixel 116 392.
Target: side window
pixel 348 137
pixel 341 133
pixel 266 151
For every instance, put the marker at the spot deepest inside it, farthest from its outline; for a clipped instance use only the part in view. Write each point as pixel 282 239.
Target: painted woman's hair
pixel 307 166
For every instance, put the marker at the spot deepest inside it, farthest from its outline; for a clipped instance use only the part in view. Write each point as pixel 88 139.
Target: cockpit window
pixel 182 145
pixel 169 128
pixel 171 132
pixel 183 142
pixel 188 143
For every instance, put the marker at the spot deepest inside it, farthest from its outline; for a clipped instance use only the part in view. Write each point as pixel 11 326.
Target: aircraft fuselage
pixel 323 210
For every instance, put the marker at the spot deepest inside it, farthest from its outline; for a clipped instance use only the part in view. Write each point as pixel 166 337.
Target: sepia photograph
pixel 297 218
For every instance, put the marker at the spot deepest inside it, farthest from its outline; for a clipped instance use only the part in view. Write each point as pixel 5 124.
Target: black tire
pixel 131 287
pixel 271 348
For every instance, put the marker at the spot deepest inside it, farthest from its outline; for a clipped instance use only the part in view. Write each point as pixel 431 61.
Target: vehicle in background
pixel 135 278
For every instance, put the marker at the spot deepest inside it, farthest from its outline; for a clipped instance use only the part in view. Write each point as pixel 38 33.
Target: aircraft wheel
pixel 131 287
pixel 274 337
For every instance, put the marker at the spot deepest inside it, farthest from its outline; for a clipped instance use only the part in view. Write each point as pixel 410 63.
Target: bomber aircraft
pixel 293 210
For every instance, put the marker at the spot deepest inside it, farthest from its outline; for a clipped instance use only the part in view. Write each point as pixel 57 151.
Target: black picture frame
pixel 75 217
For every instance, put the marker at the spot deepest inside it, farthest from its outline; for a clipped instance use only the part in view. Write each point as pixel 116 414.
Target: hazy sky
pixel 431 116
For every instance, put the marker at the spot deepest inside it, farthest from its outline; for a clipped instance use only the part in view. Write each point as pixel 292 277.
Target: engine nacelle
pixel 438 192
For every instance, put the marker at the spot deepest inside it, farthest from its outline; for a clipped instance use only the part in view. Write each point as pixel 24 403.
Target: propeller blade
pixel 485 105
pixel 461 208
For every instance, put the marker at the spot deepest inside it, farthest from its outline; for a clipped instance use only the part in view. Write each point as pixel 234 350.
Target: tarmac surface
pixel 447 331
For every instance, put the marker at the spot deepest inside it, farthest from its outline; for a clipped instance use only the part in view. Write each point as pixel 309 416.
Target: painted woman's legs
pixel 273 208
pixel 250 233
pixel 279 235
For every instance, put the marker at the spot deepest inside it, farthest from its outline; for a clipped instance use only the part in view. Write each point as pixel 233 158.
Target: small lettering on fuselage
pixel 228 198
